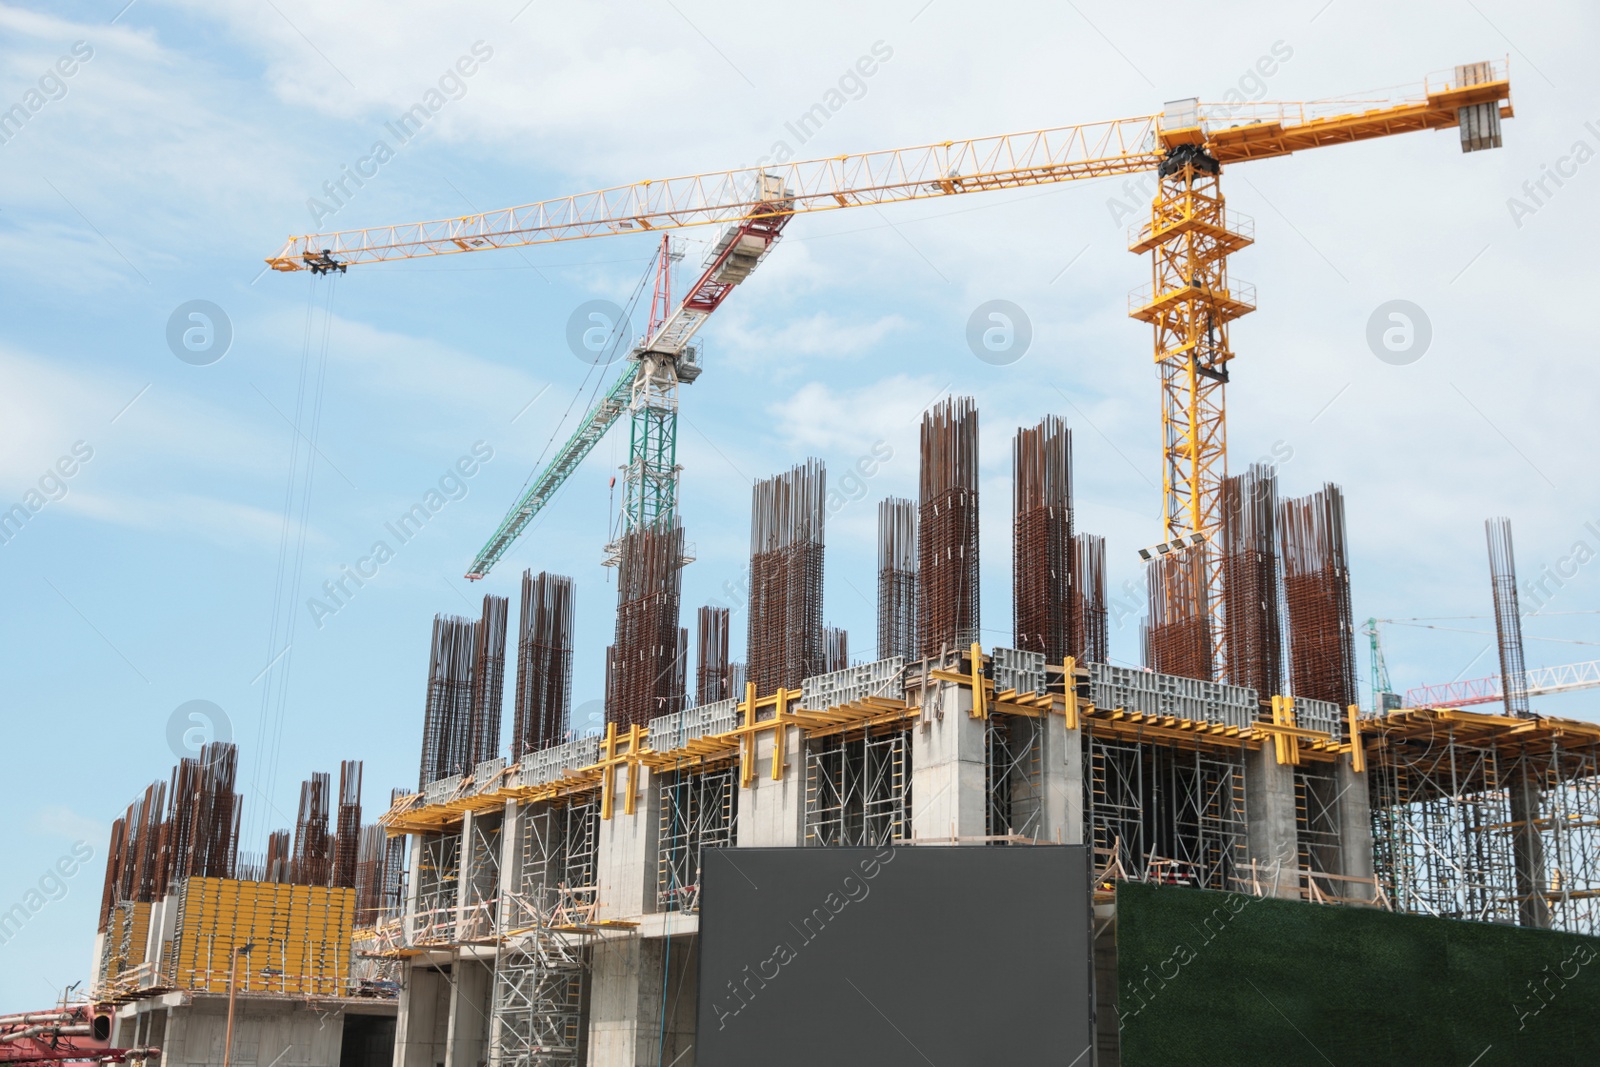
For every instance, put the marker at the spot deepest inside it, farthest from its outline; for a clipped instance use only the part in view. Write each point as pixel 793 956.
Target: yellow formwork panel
pixel 301 934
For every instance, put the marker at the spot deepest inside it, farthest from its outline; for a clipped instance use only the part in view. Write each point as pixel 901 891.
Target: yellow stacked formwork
pixel 300 936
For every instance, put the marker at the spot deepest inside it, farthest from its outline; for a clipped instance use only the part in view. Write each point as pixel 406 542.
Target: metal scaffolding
pixel 483 878
pixel 558 876
pixel 536 1018
pixel 1470 824
pixel 438 876
pixel 1167 814
pixel 1013 747
pixel 698 811
pixel 858 787
pixel 1316 814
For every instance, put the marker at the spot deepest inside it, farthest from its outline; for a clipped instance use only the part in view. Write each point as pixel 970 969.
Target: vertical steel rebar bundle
pixel 488 681
pixel 1316 591
pixel 394 865
pixel 544 663
pixel 1507 618
pixel 370 876
pixel 201 834
pixel 835 649
pixel 1041 544
pixel 947 542
pixel 310 860
pixel 279 866
pixel 1254 645
pixel 787 513
pixel 897 579
pixel 712 682
pixel 646 678
pixel 133 858
pixel 1088 604
pixel 347 835
pixel 447 720
pixel 1177 637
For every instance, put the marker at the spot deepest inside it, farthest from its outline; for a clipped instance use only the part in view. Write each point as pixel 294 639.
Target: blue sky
pixel 190 139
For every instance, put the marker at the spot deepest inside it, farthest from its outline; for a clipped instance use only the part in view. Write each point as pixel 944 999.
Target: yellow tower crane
pixel 1190 300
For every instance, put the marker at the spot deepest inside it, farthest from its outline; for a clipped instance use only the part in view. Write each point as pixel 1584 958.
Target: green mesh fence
pixel 1221 978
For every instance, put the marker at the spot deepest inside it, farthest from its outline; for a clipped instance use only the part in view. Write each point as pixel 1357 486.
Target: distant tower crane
pixel 1190 301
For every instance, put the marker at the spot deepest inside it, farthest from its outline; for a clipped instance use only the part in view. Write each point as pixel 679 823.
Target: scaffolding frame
pixel 698 811
pixel 1450 814
pixel 1317 823
pixel 558 879
pixel 1013 747
pixel 858 787
pixel 536 1017
pixel 1167 813
pixel 483 877
pixel 438 881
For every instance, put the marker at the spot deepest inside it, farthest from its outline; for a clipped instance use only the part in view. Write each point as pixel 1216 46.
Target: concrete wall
pixel 772 814
pixel 422 1032
pixel 191 1029
pixel 642 1002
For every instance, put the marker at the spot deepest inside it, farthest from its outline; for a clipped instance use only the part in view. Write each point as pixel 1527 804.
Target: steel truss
pixel 698 811
pixel 1013 748
pixel 858 787
pixel 1495 834
pixel 1165 813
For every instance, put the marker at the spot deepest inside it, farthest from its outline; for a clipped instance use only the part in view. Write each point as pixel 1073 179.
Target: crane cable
pixel 288 575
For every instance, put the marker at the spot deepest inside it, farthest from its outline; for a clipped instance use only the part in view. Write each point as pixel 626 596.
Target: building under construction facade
pixel 552 903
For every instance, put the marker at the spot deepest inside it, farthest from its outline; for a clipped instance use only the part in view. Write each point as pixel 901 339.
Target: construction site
pixel 537 898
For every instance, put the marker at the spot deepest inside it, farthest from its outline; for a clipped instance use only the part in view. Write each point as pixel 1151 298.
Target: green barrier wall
pixel 1222 978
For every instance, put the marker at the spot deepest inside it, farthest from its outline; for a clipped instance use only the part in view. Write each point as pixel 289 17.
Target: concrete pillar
pixel 1527 799
pixel 422 1024
pixel 1355 829
pixel 1273 838
pixel 413 883
pixel 772 814
pixel 1061 819
pixel 636 983
pixel 949 787
pixel 471 998
pixel 627 864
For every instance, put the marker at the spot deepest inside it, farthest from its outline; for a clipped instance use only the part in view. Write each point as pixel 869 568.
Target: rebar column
pixel 1042 539
pixel 1249 548
pixel 947 541
pixel 897 579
